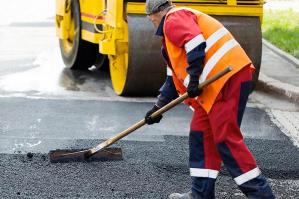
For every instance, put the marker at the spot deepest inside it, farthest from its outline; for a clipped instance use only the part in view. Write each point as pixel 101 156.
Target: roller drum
pixel 146 71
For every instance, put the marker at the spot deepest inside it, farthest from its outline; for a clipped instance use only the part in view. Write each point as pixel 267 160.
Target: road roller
pixel 118 33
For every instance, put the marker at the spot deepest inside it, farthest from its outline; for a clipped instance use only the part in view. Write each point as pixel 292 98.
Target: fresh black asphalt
pixel 151 168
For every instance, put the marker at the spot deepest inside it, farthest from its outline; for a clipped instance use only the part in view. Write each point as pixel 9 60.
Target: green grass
pixel 281 28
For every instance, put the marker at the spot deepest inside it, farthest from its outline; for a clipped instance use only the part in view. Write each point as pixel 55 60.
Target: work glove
pixel 193 90
pixel 149 120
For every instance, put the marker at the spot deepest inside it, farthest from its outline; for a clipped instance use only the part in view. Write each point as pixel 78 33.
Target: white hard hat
pixel 153 6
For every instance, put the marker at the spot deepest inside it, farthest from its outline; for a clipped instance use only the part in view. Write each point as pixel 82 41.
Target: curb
pixel 267 83
pixel 281 53
pixel 287 90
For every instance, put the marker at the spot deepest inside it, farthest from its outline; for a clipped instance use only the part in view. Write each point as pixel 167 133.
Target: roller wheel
pixel 76 53
pixel 138 70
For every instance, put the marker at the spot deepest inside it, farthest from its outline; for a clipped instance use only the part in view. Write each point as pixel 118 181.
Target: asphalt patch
pixel 148 170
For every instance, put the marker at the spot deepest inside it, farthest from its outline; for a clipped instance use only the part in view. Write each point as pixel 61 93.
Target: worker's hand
pixel 193 90
pixel 150 120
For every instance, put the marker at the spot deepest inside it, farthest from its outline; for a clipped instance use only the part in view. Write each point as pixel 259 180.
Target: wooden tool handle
pixel 158 112
pixel 185 95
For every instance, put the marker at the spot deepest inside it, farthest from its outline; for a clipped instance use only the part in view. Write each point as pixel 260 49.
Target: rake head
pixel 64 156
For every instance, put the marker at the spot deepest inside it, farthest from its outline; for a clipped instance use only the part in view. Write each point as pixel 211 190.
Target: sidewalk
pixel 279 72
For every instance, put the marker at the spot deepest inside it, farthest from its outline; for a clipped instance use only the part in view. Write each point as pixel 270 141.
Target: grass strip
pixel 281 28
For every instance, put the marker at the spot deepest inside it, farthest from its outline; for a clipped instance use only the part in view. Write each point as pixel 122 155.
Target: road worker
pixel 195 46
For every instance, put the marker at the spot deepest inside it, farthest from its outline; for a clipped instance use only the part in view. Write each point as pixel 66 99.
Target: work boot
pixel 181 196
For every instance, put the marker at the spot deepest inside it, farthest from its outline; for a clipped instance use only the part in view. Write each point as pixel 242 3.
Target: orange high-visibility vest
pixel 222 50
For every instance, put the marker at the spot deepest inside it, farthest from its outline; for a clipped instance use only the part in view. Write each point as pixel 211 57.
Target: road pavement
pixel 155 157
pixel 45 107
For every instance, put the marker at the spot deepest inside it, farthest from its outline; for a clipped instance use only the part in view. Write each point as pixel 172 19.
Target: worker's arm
pixel 167 93
pixel 187 35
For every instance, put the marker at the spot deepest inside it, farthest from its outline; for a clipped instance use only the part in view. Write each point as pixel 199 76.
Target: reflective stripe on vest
pixel 214 60
pixel 215 37
pixel 222 50
pixel 194 43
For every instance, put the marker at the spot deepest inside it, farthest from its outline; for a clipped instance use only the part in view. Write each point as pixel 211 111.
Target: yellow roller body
pixel 123 33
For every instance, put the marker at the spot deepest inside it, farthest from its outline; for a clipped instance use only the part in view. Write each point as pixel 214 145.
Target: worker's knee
pixel 226 132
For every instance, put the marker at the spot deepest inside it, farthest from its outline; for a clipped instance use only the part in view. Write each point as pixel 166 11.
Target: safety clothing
pixel 215 134
pixel 152 6
pixel 216 137
pixel 221 51
pixel 181 196
pixel 149 120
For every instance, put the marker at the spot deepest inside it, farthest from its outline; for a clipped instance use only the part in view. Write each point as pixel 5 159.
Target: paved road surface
pixel 44 107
